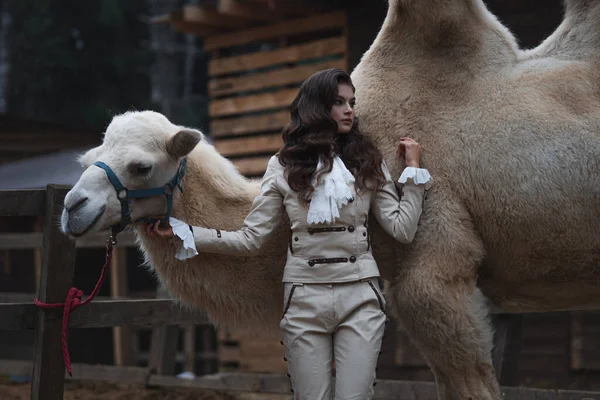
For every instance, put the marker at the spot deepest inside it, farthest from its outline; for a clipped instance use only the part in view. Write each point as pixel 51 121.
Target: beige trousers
pixel 323 322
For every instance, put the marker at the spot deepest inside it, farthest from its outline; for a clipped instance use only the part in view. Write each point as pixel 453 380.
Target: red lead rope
pixel 74 300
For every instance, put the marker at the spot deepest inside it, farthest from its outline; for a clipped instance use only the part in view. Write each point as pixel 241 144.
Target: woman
pixel 328 176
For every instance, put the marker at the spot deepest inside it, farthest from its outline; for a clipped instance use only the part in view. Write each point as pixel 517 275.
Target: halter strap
pixel 112 177
pixel 126 195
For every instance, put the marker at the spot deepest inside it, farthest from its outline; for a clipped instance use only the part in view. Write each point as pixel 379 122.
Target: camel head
pixel 144 150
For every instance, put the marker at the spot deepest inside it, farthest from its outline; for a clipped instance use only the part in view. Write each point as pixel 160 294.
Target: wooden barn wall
pixel 254 76
pixel 558 350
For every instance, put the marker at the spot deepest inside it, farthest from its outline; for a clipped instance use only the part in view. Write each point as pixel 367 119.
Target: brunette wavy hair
pixel 313 134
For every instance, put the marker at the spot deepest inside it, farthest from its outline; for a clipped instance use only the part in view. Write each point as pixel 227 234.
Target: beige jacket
pixel 339 252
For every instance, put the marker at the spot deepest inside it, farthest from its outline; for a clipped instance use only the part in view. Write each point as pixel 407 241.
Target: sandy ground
pixel 77 390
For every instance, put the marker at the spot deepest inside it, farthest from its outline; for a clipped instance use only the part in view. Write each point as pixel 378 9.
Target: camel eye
pixel 140 169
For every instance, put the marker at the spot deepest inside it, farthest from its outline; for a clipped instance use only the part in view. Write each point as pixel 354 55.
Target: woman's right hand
pixel 411 151
pixel 158 230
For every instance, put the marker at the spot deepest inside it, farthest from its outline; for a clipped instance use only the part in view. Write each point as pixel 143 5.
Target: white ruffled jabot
pixel 331 193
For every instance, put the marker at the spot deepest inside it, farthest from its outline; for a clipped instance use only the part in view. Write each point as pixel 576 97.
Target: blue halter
pixel 126 195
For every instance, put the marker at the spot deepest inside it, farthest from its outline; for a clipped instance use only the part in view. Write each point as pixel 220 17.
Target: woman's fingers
pixel 152 229
pixel 157 230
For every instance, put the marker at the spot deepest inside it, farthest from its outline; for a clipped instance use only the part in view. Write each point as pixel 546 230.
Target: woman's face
pixel 343 108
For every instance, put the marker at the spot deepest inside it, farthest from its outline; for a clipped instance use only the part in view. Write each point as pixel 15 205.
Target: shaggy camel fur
pixel 512 139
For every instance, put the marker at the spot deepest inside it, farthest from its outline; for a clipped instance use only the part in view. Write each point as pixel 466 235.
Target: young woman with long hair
pixel 328 176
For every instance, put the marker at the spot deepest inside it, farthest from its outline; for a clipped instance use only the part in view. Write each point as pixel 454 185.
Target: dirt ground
pixel 78 390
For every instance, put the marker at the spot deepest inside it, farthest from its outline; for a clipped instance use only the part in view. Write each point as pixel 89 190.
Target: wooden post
pixel 56 278
pixel 37 254
pixel 208 347
pixel 122 340
pixel 189 347
pixel 507 348
pixel 163 345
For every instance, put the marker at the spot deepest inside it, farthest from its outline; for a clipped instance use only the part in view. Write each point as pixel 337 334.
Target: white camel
pixel 511 138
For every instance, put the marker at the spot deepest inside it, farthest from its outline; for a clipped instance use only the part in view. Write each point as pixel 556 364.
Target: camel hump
pixel 578 36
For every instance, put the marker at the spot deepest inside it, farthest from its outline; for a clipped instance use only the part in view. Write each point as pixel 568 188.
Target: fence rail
pixel 104 314
pixel 25 203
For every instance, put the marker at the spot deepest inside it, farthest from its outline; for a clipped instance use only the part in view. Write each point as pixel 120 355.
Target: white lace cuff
pixel 183 232
pixel 419 176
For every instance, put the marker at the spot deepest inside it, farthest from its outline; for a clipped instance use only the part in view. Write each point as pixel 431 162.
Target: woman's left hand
pixel 164 231
pixel 411 151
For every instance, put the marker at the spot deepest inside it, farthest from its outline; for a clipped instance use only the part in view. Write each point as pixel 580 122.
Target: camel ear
pixel 183 142
pixel 86 159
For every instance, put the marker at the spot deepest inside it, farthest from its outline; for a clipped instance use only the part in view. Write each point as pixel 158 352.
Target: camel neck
pixel 213 195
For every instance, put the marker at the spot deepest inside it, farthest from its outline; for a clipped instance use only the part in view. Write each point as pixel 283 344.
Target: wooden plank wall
pixel 585 343
pixel 254 75
pixel 248 352
pixel 557 350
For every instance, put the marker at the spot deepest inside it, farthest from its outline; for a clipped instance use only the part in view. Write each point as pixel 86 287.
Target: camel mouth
pixel 91 225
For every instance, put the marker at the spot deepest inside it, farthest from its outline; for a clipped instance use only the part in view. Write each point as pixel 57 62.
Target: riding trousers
pixel 325 322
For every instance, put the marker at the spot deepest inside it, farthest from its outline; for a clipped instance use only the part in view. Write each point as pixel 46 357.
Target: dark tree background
pixel 78 62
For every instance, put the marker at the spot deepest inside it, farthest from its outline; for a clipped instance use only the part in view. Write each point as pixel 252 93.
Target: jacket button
pixel 364 234
pixel 311 263
pixel 296 238
pixel 352 259
pixel 351 228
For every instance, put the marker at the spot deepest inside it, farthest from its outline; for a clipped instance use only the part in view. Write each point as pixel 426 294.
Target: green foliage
pixel 78 62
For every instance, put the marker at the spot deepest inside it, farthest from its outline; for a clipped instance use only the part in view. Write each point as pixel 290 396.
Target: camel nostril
pixel 78 204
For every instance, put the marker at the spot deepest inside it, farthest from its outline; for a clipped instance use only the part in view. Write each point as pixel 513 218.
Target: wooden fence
pixel 56 275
